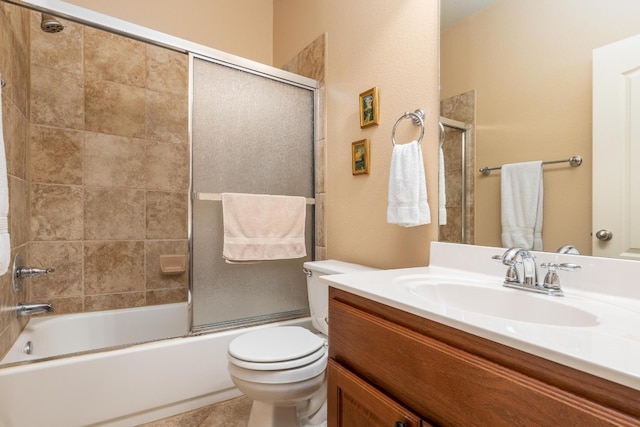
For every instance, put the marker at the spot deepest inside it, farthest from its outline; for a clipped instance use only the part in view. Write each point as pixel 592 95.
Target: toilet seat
pixel 276 348
pixel 284 376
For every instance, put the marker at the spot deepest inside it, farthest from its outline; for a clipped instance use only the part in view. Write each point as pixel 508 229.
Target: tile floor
pixel 231 413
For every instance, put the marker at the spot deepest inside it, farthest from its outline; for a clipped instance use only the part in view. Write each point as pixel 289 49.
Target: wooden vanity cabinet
pixel 388 366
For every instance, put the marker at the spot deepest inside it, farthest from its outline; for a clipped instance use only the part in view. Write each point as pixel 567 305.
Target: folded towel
pixel 408 205
pixel 5 241
pixel 522 195
pixel 260 227
pixel 442 194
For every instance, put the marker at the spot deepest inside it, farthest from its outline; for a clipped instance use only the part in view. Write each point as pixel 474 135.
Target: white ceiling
pixel 453 11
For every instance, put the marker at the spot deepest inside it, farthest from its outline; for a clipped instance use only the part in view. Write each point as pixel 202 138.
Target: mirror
pixel 528 64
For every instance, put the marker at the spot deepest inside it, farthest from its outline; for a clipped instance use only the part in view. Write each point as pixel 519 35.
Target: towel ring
pixel 418 119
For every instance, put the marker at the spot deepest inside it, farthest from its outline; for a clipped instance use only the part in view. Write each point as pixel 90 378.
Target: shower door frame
pixel 277 75
pixel 465 129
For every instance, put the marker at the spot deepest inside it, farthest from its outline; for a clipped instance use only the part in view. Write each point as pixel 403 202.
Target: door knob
pixel 604 235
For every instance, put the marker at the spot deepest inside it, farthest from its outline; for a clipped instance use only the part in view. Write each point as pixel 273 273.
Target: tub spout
pixel 31 309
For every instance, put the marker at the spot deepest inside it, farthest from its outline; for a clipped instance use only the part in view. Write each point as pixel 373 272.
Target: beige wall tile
pixel 56 212
pixel 155 279
pixel 167 71
pixel 167 166
pixel 114 301
pixel 166 296
pixel 57 98
pixel 19 60
pixel 167 117
pixel 66 259
pixel 113 267
pixel 18 211
pixel 114 214
pixel 61 51
pixel 56 155
pixel 15 138
pixel 113 58
pixel 114 161
pixel 67 305
pixel 311 59
pixel 115 108
pixel 166 215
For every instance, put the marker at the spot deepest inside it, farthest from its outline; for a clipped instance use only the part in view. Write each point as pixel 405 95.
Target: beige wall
pixel 239 27
pixel 529 62
pixel 391 45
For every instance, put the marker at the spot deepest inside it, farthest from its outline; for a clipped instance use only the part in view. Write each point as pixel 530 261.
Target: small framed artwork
pixel 369 108
pixel 360 157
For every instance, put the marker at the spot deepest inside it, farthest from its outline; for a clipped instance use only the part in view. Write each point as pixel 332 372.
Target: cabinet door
pixel 355 403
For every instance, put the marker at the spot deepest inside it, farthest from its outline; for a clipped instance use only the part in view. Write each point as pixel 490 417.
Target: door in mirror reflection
pixel 616 147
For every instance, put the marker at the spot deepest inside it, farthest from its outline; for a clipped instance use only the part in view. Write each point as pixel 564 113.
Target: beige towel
pixel 261 227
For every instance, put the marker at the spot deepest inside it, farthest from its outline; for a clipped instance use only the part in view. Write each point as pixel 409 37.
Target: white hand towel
pixel 442 193
pixel 522 197
pixel 408 205
pixel 260 227
pixel 5 241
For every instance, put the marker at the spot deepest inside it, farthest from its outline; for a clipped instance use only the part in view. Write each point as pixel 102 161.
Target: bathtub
pixel 121 386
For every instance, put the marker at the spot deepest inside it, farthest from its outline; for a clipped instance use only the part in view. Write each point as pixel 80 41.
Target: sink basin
pixel 500 302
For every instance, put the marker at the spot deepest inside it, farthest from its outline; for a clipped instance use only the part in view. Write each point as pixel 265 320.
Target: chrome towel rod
pixel 574 161
pixel 217 197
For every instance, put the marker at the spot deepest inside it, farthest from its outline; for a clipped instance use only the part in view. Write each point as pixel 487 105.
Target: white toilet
pixel 282 368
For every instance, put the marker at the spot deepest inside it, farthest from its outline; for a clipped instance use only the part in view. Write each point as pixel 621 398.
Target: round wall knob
pixel 604 235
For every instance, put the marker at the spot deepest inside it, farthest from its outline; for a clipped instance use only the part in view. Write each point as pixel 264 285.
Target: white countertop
pixel 608 346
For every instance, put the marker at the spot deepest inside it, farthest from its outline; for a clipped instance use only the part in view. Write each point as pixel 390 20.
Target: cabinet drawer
pixel 448 385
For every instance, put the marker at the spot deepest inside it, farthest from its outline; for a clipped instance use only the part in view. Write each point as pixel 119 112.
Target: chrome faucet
pixel 31 309
pixel 528 279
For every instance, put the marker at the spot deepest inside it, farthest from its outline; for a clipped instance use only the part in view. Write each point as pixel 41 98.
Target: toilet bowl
pixel 283 368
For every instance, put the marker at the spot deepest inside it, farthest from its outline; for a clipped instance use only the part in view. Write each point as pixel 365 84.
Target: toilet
pixel 282 368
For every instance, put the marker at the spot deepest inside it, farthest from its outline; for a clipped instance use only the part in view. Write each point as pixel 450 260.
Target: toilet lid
pixel 276 344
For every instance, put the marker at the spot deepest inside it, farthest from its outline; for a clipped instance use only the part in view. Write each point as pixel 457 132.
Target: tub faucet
pixel 31 309
pixel 23 272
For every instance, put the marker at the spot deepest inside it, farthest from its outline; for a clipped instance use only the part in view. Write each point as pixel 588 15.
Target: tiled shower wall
pixel 109 168
pixel 14 68
pixel 311 62
pixel 461 108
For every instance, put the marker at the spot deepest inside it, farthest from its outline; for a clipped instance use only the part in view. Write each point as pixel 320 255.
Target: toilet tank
pixel 318 290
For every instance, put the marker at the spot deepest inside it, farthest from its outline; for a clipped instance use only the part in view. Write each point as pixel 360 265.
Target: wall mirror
pixel 519 73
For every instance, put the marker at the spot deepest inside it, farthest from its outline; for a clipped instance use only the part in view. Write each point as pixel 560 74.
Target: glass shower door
pixel 251 133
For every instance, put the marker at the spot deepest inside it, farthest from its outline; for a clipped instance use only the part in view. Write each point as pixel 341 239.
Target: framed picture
pixel 360 157
pixel 369 108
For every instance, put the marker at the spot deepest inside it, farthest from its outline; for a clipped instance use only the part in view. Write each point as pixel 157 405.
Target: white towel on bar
pixel 260 227
pixel 522 205
pixel 408 205
pixel 5 241
pixel 442 190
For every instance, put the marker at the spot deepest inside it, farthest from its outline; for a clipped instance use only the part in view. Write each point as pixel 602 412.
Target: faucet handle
pixel 552 280
pixel 512 273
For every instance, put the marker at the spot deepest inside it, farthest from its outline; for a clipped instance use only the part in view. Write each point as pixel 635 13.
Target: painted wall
pixel 394 46
pixel 239 27
pixel 529 62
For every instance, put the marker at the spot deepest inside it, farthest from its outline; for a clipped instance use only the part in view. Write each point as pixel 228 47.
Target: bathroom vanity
pixel 397 360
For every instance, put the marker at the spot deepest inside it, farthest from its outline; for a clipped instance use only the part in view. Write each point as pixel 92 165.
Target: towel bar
pixel 574 161
pixel 217 197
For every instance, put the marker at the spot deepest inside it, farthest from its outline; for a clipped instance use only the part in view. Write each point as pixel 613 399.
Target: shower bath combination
pixel 50 24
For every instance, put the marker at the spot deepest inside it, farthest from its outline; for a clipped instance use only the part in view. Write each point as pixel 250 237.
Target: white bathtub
pixel 121 387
